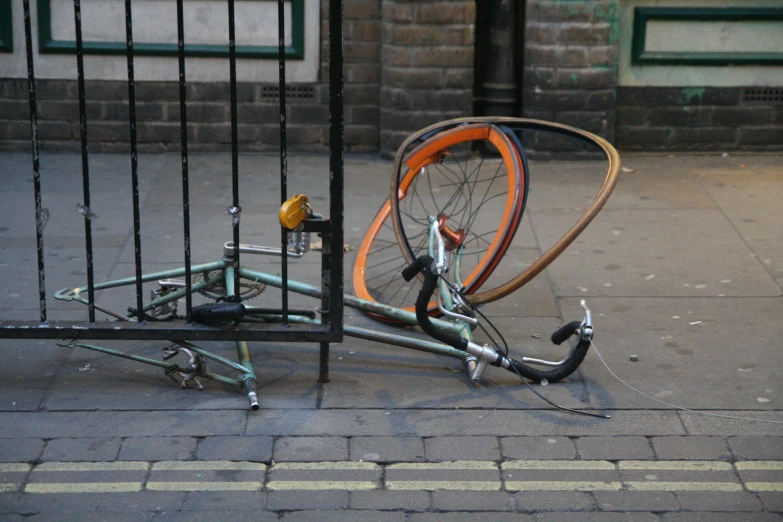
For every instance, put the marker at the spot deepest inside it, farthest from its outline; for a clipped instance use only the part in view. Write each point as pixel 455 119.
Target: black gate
pixel 328 329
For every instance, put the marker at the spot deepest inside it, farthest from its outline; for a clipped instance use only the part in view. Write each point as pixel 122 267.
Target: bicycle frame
pixel 224 277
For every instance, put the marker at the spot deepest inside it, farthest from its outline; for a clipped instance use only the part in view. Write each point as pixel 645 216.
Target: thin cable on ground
pixel 674 405
pixel 505 345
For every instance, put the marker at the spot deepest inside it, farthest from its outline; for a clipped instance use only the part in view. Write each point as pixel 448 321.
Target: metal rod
pixel 336 184
pixel 40 218
pixel 134 156
pixel 86 211
pixel 283 151
pixel 323 364
pixel 183 125
pixel 235 210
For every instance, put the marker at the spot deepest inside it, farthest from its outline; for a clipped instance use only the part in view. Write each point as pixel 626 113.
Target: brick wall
pixel 570 69
pixel 711 118
pixel 427 73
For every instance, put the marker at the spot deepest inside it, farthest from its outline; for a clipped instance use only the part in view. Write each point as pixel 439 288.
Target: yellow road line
pixel 458 464
pixel 325 465
pixel 348 485
pixel 207 465
pixel 562 485
pixel 433 485
pixel 8 487
pixel 92 466
pixel 675 465
pixel 205 486
pixel 683 486
pixel 83 487
pixel 759 465
pixel 764 486
pixel 14 467
pixel 557 464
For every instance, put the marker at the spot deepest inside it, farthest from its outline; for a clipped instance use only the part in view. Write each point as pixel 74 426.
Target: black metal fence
pixel 330 328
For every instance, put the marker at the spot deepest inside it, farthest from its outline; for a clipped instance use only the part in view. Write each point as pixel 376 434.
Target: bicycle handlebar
pixel 561 370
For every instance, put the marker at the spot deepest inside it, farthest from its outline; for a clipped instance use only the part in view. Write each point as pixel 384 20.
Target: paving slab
pixel 390 500
pixel 691 448
pixel 636 501
pixel 430 423
pixel 99 449
pixel 121 424
pixel 542 501
pixel 736 424
pixel 158 448
pixel 226 501
pixel 756 448
pixel 254 449
pixel 387 449
pixel 476 501
pixel 482 516
pixel 596 448
pixel 672 340
pixel 642 260
pixel 151 501
pixel 748 198
pixel 462 448
pixel 310 449
pixel 20 450
pixel 537 448
pixel 726 501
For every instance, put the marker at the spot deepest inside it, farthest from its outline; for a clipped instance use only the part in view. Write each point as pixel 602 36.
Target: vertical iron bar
pixel 183 125
pixel 336 184
pixel 77 13
pixel 40 219
pixel 283 152
pixel 232 59
pixel 134 157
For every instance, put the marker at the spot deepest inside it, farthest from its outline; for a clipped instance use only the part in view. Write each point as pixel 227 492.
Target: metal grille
pixel 762 95
pixel 136 325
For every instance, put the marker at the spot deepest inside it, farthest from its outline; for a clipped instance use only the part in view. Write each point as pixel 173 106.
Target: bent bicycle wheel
pixel 476 200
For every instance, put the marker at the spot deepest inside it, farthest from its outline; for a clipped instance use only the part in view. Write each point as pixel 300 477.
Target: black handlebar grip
pixel 564 332
pixel 422 262
pixel 557 373
pixel 218 312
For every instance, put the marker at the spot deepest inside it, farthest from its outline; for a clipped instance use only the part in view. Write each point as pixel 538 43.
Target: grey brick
pixel 387 449
pixel 60 503
pixel 291 500
pixel 390 500
pixel 534 501
pixel 253 449
pixel 96 517
pixel 614 448
pixel 597 517
pixel 305 449
pixel 234 515
pixel 20 450
pixel 537 448
pixel 158 448
pixel 343 516
pixel 691 448
pixel 84 449
pixel 462 448
pixel 761 136
pixel 773 501
pixel 474 501
pixel 636 501
pixel 725 501
pixel 707 516
pixel 473 516
pixel 225 500
pixel 8 503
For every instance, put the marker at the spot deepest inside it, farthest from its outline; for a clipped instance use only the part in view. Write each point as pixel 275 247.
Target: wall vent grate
pixel 765 95
pixel 301 92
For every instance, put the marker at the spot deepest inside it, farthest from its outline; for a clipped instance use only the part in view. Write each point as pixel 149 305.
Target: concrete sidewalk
pixel 683 268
